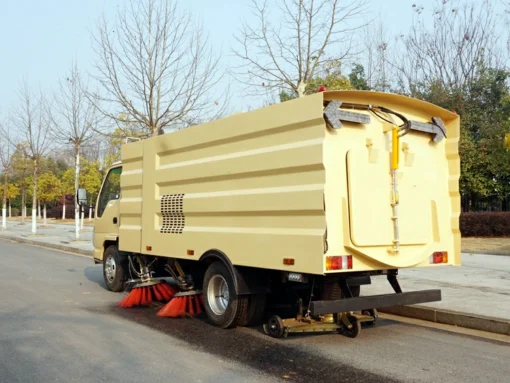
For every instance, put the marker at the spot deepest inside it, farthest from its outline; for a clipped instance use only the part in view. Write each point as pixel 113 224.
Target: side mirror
pixel 81 197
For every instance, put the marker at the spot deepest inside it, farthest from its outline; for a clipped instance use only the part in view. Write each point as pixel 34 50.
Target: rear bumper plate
pixel 374 302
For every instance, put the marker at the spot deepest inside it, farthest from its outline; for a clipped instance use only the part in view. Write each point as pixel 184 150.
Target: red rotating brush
pixel 144 294
pixel 188 303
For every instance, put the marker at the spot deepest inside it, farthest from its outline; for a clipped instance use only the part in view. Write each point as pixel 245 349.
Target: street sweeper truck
pixel 280 215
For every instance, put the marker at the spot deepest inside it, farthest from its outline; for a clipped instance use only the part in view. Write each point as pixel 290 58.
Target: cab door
pixel 106 222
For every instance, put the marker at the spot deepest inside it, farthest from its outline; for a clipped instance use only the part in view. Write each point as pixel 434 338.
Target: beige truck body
pixel 281 183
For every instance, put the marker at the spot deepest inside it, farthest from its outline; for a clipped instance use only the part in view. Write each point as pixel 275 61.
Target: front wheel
pixel 114 269
pixel 223 306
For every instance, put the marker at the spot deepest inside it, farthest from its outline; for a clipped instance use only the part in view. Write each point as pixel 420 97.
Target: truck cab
pixel 106 221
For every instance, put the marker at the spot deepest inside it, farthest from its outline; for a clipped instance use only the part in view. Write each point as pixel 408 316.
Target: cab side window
pixel 110 190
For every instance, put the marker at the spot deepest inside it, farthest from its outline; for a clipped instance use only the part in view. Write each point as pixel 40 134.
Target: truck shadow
pixel 295 358
pixel 95 274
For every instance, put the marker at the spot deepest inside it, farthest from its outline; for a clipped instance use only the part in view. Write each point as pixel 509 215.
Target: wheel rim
pixel 218 295
pixel 110 269
pixel 275 327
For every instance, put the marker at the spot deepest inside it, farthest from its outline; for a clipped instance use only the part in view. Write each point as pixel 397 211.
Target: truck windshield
pixel 110 190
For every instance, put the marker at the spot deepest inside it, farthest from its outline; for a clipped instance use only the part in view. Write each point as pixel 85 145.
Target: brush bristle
pixel 182 306
pixel 166 291
pixel 144 296
pixel 132 299
pixel 171 309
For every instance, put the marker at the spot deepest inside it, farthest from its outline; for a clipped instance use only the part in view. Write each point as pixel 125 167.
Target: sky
pixel 39 39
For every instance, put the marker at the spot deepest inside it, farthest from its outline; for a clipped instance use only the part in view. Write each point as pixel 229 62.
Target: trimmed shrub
pixel 15 212
pixel 485 224
pixel 56 212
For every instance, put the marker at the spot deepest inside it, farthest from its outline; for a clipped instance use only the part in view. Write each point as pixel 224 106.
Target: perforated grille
pixel 172 212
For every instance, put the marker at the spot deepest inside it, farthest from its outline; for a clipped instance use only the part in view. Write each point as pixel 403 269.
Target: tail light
pixel 337 262
pixel 439 257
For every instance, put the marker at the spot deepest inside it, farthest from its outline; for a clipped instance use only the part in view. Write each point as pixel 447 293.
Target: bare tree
pixel 21 168
pixel 292 40
pixel 6 151
pixel 74 121
pixel 155 67
pixel 32 121
pixel 377 49
pixel 453 49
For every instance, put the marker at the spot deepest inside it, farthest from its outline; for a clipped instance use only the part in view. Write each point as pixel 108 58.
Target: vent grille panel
pixel 173 214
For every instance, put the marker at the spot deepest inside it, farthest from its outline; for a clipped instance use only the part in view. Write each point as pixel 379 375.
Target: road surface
pixel 58 323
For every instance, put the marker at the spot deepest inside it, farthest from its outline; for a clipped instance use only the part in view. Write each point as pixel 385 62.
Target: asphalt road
pixel 58 323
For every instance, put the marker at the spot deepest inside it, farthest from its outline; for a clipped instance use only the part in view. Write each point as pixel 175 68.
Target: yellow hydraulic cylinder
pixel 395 146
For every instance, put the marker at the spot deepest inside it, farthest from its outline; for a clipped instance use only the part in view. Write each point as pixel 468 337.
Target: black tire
pixel 372 313
pixel 237 306
pixel 255 312
pixel 275 327
pixel 354 331
pixel 117 283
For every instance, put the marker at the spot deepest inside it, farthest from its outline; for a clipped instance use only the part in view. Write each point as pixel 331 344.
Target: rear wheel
pixel 223 306
pixel 256 310
pixel 114 269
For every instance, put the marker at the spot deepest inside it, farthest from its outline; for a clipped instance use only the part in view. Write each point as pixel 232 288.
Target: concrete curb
pixel 454 318
pixel 69 249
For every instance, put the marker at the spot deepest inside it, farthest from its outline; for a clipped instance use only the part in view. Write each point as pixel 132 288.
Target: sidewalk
pixel 56 236
pixel 475 295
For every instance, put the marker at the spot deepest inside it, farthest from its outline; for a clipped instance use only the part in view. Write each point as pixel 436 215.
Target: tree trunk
pixel 76 186
pixel 90 214
pixel 45 220
pixel 39 215
pixel 10 209
pixel 34 201
pixel 23 206
pixel 82 220
pixel 301 89
pixel 4 203
pixel 64 208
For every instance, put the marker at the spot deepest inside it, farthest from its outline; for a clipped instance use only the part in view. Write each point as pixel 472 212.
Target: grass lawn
pixel 498 246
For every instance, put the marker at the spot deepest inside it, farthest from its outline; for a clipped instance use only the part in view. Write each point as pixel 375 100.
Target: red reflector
pixel 439 257
pixel 337 262
pixel 288 261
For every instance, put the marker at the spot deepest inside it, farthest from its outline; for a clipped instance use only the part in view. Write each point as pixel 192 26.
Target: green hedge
pixel 15 212
pixel 485 224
